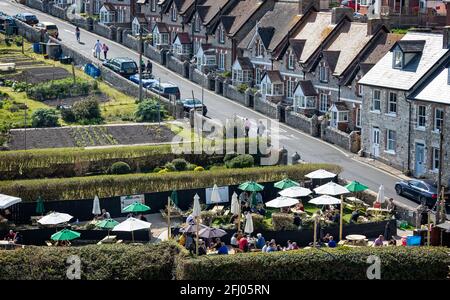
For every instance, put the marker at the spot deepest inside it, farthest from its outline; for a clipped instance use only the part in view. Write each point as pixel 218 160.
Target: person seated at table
pixel 299 206
pixel 142 217
pixel 391 206
pixel 331 243
pixel 243 243
pixel 379 241
pixel 201 248
pixel 295 246
pixel 392 242
pixel 355 216
pixel 326 238
pixel 260 242
pixel 189 241
pixel 105 214
pixel 336 218
pixel 10 236
pixel 272 247
pixel 261 210
pixel 223 249
pixel 297 220
pixel 234 241
pixel 246 208
pixel 190 220
pixel 377 205
pixel 265 247
pixel 217 244
pixel 182 239
pixel 289 245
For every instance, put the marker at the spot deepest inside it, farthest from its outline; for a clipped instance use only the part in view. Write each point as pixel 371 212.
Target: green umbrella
pixel 107 224
pixel 65 235
pixel 355 187
pixel 285 183
pixel 136 207
pixel 251 186
pixel 174 197
pixel 40 210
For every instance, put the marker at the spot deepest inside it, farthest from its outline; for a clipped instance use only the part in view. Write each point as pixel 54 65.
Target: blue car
pixel 148 80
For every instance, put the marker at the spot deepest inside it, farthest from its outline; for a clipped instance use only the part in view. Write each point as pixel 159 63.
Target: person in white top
pixel 98 49
pixel 247 126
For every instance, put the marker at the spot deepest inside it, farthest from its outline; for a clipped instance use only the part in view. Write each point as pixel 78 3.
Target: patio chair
pixel 119 242
pixel 48 243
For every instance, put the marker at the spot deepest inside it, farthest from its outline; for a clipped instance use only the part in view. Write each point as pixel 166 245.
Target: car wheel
pixel 398 190
pixel 422 200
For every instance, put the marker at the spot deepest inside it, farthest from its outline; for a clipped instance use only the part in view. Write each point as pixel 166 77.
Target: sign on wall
pixel 223 195
pixel 128 200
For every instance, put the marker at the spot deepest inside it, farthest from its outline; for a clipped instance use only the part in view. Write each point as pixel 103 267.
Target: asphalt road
pixel 311 149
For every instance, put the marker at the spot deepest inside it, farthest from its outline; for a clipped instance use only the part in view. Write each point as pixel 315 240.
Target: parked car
pixel 49 28
pixel 167 90
pixel 122 65
pixel 421 191
pixel 191 103
pixel 28 18
pixel 148 80
pixel 7 22
pixel 349 3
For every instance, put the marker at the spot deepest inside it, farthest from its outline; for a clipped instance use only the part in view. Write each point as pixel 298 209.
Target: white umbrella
pixel 196 209
pixel 215 196
pixel 131 225
pixel 295 191
pixel 96 206
pixel 248 223
pixel 7 201
pixel 380 196
pixel 332 189
pixel 325 200
pixel 235 207
pixel 209 233
pixel 55 218
pixel 282 202
pixel 193 228
pixel 320 174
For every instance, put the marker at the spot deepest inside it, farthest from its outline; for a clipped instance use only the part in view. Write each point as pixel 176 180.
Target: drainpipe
pixel 339 93
pixel 409 137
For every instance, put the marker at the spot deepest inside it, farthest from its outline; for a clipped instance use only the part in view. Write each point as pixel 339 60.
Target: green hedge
pixel 343 263
pixel 116 185
pixel 60 89
pixel 98 262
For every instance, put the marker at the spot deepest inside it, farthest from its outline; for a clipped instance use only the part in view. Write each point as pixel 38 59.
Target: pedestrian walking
pixel 97 49
pixel 247 125
pixel 105 51
pixel 149 67
pixel 261 128
pixel 77 33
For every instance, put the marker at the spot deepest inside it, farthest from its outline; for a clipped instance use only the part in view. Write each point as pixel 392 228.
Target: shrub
pixel 67 115
pixel 199 169
pixel 180 164
pixel 170 167
pixel 241 161
pixel 191 167
pixel 229 156
pixel 242 88
pixel 258 222
pixel 163 171
pixel 87 111
pixel 404 263
pixel 283 221
pixel 120 167
pixel 58 89
pixel 44 117
pixel 147 111
pixel 99 262
pixel 156 170
pixel 208 216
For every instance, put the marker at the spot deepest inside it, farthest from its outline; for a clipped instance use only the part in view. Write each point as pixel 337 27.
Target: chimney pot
pixel 446 38
pixel 338 13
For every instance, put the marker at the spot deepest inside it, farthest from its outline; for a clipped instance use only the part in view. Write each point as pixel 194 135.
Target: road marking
pixel 71 32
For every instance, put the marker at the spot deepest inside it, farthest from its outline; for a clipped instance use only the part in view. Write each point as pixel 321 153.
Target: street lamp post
pixel 141 46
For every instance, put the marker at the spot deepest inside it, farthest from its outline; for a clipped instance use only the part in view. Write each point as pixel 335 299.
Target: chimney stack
pixel 338 13
pixel 446 38
pixel 373 25
pixel 304 5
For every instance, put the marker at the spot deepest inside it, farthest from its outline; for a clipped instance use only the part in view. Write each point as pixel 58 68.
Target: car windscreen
pixel 129 65
pixel 30 18
pixel 171 90
pixel 52 27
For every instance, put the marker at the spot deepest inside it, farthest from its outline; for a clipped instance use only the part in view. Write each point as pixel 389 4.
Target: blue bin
pixel 92 70
pixel 37 48
pixel 413 240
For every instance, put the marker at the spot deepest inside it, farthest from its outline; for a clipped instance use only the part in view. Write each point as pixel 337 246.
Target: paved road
pixel 311 149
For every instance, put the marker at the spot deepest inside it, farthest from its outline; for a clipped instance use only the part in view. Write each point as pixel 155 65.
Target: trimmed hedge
pixel 405 263
pixel 98 262
pixel 117 185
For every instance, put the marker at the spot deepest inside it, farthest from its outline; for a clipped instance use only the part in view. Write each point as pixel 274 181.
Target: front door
pixel 334 119
pixel 420 160
pixel 376 141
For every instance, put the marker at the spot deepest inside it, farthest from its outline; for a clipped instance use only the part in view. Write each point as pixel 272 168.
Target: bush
pixel 404 263
pixel 207 217
pixel 111 185
pixel 241 161
pixel 258 222
pixel 147 111
pixel 242 88
pixel 156 170
pixel 283 221
pixel 87 111
pixel 180 164
pixel 163 171
pixel 67 115
pixel 58 89
pixel 170 167
pixel 191 167
pixel 120 167
pixel 199 169
pixel 99 262
pixel 229 156
pixel 44 117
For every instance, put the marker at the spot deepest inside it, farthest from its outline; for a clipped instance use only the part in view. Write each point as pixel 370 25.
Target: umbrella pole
pixel 341 217
pixel 315 231
pixel 428 229
pixel 132 236
pixel 196 236
pixel 169 234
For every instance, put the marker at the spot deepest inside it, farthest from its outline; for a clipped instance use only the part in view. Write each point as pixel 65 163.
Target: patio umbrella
pixel 192 228
pixel 282 202
pixel 107 224
pixel 209 233
pixel 174 197
pixel 325 200
pixel 215 196
pixel 7 201
pixel 380 196
pixel 132 225
pixel 248 223
pixel 285 183
pixel 251 186
pixel 320 174
pixel 40 210
pixel 295 191
pixel 356 187
pixel 196 212
pixel 96 206
pixel 65 235
pixel 55 218
pixel 136 207
pixel 332 189
pixel 236 208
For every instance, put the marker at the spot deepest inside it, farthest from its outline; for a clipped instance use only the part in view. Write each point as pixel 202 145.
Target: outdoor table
pixel 218 208
pixel 7 244
pixel 109 239
pixel 356 201
pixel 300 212
pixel 356 240
pixel 372 210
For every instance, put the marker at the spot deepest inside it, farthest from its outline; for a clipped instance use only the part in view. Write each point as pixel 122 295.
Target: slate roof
pixel 410 46
pixel 239 15
pixel 274 76
pixel 332 58
pixel 307 88
pixel 382 48
pixel 210 8
pixel 109 7
pixel 384 75
pixel 162 27
pixel 184 37
pixel 341 106
pixel 141 18
pixel 245 63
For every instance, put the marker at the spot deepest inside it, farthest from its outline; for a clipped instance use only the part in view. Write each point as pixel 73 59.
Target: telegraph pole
pixel 141 46
pixel 440 208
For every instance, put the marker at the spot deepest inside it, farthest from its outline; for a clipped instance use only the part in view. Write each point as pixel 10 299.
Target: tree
pixel 44 117
pixel 87 111
pixel 147 111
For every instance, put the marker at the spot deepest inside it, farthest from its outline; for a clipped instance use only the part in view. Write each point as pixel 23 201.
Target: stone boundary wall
pixel 302 122
pixel 177 65
pixel 350 142
pixel 267 108
pixel 108 32
pixel 231 92
pixel 37 4
pixel 153 53
pixel 130 41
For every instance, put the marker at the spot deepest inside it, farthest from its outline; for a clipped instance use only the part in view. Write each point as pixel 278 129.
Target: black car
pixel 195 103
pixel 167 90
pixel 421 191
pixel 122 65
pixel 28 18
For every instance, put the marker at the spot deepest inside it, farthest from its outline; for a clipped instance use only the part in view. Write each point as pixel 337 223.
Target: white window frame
pixel 290 88
pixel 342 117
pixel 221 35
pixel 376 100
pixel 391 141
pixel 393 103
pixel 441 119
pixel 153 5
pixel 277 89
pixel 358 117
pixel 360 89
pixel 221 64
pixel 258 73
pixel 197 24
pixel 174 14
pixel 397 58
pixel 291 61
pixel 323 102
pixel 323 72
pixel 421 117
pixel 436 159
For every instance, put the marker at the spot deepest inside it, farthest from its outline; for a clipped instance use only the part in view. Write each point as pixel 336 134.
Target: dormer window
pixel 291 61
pixel 323 72
pixel 197 24
pixel 174 14
pixel 398 59
pixel 259 48
pixel 221 35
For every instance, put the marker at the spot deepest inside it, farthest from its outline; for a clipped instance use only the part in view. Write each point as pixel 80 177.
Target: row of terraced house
pixel 350 82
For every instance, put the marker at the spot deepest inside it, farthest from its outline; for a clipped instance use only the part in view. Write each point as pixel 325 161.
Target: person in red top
pixel 10 236
pixel 243 243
